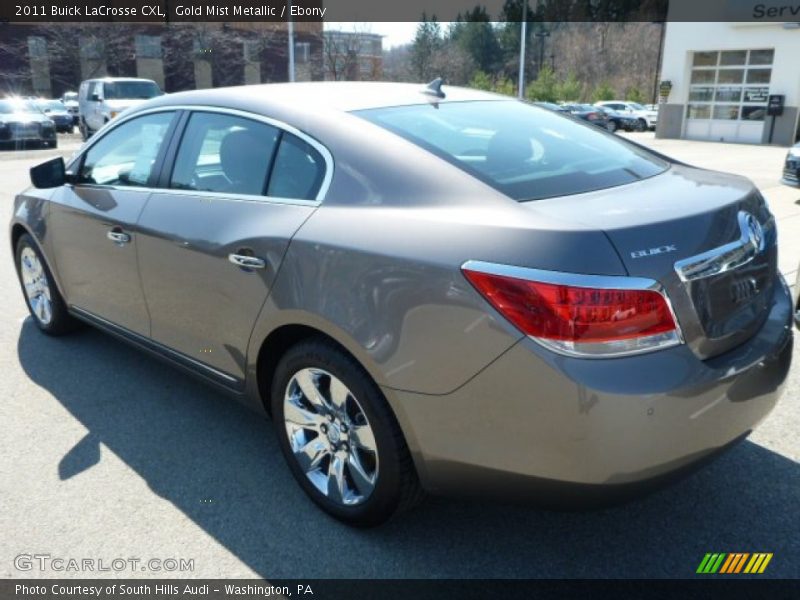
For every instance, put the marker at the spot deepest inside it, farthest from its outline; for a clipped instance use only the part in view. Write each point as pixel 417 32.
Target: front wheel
pixel 44 301
pixel 339 437
pixel 641 125
pixel 611 126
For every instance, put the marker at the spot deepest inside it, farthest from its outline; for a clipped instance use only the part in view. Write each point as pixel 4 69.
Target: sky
pixel 395 34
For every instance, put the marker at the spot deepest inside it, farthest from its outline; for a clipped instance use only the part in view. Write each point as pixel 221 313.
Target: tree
pixel 477 37
pixel 543 88
pixel 427 43
pixel 569 89
pixel 481 81
pixel 505 86
pixel 634 94
pixel 74 50
pixel 341 51
pixel 604 91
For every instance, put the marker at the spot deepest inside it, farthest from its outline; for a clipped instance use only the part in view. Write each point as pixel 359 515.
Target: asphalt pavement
pixel 109 454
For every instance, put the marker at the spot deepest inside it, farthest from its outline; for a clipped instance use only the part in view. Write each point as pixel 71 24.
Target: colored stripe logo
pixel 734 562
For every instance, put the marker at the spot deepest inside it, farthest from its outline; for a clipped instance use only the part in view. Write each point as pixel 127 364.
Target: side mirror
pixel 49 174
pixel 94 98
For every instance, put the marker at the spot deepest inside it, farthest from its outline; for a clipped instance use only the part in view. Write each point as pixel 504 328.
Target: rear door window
pixel 298 172
pixel 226 154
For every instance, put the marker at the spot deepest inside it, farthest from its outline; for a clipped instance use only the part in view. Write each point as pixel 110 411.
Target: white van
pixel 100 100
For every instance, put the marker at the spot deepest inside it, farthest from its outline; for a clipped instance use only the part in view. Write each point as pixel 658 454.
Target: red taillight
pixel 573 317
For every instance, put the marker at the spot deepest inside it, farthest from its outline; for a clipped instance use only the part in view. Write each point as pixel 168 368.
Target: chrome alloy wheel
pixel 330 436
pixel 37 288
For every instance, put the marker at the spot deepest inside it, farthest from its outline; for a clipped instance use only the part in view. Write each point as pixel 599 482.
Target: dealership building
pixel 717 79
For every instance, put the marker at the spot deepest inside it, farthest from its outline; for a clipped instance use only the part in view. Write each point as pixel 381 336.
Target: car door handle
pixel 247 262
pixel 118 236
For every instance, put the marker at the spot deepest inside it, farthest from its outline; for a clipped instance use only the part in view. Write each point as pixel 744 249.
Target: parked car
pixel 552 106
pixel 791 167
pixel 618 120
pixel 70 100
pixel 647 119
pixel 426 288
pixel 22 123
pixel 57 112
pixel 101 100
pixel 587 112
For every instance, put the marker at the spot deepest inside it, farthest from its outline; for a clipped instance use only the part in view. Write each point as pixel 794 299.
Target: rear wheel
pixel 641 125
pixel 44 302
pixel 339 437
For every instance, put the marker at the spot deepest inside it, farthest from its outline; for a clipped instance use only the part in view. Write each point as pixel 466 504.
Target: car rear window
pixel 524 151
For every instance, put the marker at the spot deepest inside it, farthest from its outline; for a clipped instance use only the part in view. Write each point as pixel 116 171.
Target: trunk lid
pixel 707 237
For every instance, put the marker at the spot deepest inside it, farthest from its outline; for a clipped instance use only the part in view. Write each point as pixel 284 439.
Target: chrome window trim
pixel 728 256
pixel 318 146
pixel 611 282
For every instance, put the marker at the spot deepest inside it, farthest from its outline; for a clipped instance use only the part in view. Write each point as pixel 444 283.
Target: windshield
pixel 53 105
pixel 636 106
pixel 130 90
pixel 526 152
pixel 17 105
pixel 71 97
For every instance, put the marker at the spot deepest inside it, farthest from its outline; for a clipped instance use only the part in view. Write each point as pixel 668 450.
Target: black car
pixel 22 123
pixel 791 168
pixel 552 106
pixel 618 120
pixel 57 112
pixel 589 113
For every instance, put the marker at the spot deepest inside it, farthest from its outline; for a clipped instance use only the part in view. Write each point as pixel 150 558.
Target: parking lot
pixel 108 453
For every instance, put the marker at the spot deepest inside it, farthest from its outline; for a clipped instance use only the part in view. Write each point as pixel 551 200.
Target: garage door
pixel 728 94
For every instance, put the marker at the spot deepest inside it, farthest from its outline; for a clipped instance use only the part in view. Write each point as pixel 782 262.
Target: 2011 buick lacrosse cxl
pixel 427 288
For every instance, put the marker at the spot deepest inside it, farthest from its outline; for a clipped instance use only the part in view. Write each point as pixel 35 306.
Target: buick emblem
pixel 755 232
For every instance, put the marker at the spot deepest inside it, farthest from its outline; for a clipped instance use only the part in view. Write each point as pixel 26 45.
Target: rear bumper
pixel 537 425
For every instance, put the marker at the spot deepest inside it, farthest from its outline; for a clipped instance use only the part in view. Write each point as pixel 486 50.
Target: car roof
pixel 329 95
pixel 110 79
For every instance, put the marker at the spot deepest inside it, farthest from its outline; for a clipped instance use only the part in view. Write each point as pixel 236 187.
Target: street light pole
pixel 290 24
pixel 521 90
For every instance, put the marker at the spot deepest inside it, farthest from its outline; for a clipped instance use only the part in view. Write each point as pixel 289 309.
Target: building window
pixel 302 52
pixel 252 51
pixel 730 85
pixel 37 46
pixel 148 46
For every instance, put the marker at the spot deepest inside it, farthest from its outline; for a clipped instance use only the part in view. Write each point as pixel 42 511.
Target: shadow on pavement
pixel 220 464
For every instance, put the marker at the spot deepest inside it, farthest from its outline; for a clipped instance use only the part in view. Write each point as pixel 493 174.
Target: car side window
pixel 224 153
pixel 298 172
pixel 125 155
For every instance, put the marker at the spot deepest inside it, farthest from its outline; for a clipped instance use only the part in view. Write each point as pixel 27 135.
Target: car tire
pixel 47 307
pixel 611 126
pixel 316 428
pixel 641 125
pixel 84 129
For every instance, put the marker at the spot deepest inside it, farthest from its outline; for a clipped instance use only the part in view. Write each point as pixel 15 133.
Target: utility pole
pixel 523 35
pixel 290 24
